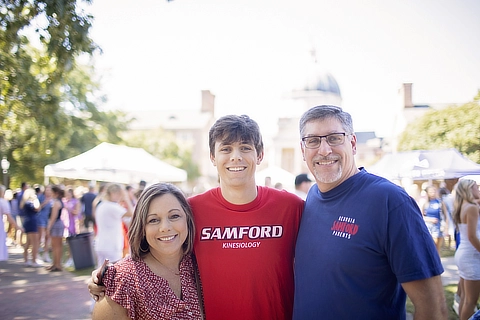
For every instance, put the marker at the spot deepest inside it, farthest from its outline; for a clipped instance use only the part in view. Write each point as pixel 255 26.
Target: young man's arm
pixel 96 291
pixel 428 298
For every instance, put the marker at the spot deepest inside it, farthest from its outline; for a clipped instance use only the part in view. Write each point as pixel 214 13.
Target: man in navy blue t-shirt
pixel 362 245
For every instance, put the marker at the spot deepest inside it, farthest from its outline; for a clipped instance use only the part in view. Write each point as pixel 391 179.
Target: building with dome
pixel 317 87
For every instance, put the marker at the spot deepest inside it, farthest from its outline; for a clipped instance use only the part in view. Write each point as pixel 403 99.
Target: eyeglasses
pixel 333 139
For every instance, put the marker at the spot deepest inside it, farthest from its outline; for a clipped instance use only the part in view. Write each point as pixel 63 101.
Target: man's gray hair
pixel 324 112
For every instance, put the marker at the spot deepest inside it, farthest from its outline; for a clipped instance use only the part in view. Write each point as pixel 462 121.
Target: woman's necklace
pixel 173 272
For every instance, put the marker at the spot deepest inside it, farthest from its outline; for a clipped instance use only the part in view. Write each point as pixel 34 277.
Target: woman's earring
pixel 144 241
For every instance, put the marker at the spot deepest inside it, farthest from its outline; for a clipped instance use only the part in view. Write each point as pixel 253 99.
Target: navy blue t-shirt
pixel 357 243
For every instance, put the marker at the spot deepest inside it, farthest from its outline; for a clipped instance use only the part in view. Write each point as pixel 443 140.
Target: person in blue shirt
pixel 362 245
pixel 434 213
pixel 87 206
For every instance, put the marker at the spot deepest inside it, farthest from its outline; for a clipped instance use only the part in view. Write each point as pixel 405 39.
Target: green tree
pixel 48 101
pixel 453 127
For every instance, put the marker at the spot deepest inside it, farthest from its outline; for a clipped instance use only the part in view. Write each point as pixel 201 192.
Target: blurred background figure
pixel 131 195
pixel 87 206
pixel 14 235
pixel 302 185
pixel 5 211
pixel 29 205
pixel 447 198
pixel 44 195
pixel 467 257
pixel 56 229
pixel 141 186
pixel 127 220
pixel 72 205
pixel 109 242
pixel 21 213
pixel 268 182
pixel 434 213
pixel 98 199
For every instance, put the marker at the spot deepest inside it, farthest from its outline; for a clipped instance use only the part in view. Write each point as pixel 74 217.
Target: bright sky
pixel 251 53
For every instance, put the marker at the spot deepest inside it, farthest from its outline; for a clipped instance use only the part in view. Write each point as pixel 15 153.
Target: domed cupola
pixel 318 86
pixel 324 82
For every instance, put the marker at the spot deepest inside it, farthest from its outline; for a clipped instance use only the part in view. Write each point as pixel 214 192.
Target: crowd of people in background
pixel 40 219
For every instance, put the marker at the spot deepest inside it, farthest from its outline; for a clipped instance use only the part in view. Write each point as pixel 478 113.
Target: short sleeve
pixel 118 290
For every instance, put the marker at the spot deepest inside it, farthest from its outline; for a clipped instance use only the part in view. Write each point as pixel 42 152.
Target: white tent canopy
pixel 115 163
pixel 277 174
pixel 425 165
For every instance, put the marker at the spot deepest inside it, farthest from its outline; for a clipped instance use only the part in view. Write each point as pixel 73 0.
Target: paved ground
pixel 34 293
pixel 450 275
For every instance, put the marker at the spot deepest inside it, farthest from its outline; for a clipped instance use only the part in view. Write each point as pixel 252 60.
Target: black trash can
pixel 81 249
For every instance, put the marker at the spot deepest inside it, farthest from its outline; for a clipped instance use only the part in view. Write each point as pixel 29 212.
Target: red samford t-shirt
pixel 245 254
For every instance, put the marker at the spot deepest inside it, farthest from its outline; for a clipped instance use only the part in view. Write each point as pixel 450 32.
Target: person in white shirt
pixel 108 217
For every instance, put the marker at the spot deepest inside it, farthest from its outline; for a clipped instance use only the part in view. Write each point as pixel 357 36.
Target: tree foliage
pixel 48 101
pixel 453 127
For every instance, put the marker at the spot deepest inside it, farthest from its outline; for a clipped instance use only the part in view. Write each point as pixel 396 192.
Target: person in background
pixel 56 228
pixel 362 244
pixel 87 205
pixel 98 199
pixel 5 211
pixel 21 214
pixel 302 185
pixel 24 186
pixel 127 220
pixel 45 199
pixel 72 204
pixel 434 213
pixel 141 186
pixel 100 196
pixel 447 198
pixel 467 257
pixel 29 205
pixel 131 195
pixel 108 216
pixel 12 232
pixel 268 182
pixel 158 280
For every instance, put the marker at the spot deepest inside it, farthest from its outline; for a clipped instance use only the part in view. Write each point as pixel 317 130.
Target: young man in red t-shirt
pixel 246 233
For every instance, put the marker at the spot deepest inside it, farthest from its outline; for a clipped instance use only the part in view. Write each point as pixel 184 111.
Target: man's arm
pixel 428 298
pixel 97 291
